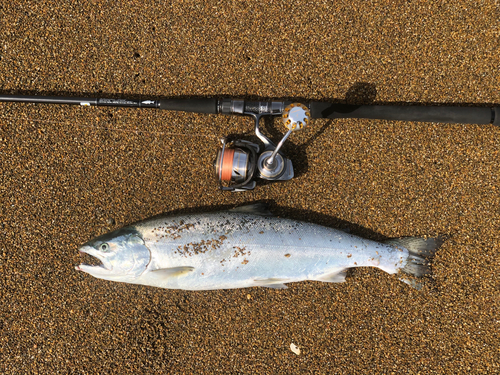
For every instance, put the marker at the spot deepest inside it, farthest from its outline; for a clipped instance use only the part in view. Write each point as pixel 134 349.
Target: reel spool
pixel 239 162
pixel 235 165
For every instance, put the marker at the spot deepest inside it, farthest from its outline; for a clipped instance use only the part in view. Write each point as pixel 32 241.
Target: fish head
pixel 123 254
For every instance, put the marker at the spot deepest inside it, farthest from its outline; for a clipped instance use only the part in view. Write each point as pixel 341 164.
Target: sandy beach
pixel 70 173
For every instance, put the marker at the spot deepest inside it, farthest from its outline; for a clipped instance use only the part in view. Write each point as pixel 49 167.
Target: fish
pixel 244 247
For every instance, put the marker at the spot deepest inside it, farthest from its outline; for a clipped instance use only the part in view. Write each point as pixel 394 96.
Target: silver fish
pixel 246 247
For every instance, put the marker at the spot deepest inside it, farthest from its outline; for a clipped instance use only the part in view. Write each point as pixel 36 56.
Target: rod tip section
pixel 496 116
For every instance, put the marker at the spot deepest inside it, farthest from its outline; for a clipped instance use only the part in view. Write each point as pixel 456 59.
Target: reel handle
pixel 295 117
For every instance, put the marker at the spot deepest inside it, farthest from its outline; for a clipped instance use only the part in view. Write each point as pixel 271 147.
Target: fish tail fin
pixel 418 264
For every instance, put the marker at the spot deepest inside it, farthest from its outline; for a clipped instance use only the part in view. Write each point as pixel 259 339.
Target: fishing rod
pixel 240 162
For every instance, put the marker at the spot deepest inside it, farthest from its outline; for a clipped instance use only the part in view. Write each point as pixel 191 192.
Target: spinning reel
pixel 240 162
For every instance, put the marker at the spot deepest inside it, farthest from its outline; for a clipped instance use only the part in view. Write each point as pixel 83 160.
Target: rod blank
pixel 47 99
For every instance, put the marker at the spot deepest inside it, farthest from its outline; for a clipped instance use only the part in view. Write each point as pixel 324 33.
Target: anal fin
pixel 333 277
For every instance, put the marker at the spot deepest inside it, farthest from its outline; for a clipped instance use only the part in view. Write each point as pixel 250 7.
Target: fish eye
pixel 104 247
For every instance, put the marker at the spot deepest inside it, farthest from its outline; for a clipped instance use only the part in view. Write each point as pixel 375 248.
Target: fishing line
pixel 107 128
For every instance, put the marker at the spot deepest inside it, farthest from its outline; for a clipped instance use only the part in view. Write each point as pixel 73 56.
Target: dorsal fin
pixel 260 208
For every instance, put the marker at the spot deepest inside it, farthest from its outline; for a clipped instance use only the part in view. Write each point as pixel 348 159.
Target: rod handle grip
pixel 443 114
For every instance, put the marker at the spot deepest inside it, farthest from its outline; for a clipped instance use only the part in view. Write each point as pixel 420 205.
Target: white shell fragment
pixel 294 348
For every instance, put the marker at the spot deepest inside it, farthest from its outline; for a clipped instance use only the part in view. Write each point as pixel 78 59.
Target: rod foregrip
pixel 197 105
pixel 443 114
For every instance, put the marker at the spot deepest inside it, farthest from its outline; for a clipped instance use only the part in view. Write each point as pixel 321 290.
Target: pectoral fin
pixel 172 272
pixel 272 282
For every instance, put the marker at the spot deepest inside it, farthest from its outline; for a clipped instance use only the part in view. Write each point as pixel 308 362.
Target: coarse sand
pixel 69 173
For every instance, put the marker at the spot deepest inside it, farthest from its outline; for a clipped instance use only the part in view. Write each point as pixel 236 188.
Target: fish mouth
pixel 93 262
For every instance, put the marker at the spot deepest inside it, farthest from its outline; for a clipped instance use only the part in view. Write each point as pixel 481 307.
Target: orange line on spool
pixel 227 165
